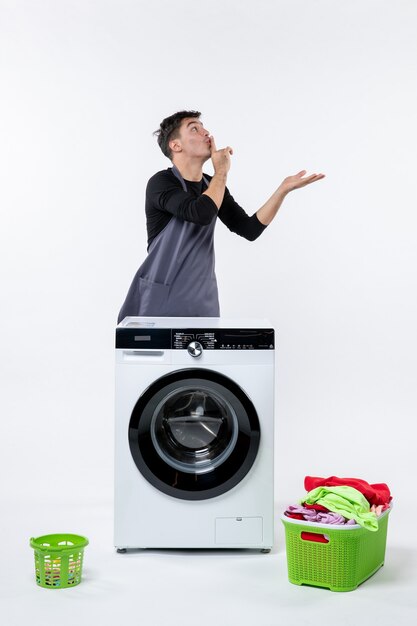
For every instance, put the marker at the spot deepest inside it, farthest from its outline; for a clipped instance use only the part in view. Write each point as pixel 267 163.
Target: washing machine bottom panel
pixel 243 531
pixel 146 518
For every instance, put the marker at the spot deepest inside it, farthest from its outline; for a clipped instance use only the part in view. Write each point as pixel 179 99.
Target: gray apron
pixel 177 278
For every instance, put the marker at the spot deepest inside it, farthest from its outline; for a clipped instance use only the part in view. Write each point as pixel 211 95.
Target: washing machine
pixel 194 433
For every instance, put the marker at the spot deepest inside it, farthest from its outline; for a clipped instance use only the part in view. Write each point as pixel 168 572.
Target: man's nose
pixel 205 132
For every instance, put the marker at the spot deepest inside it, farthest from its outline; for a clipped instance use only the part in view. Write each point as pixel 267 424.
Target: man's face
pixel 193 139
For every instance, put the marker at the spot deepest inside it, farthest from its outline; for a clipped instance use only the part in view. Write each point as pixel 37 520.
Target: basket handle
pixel 317 537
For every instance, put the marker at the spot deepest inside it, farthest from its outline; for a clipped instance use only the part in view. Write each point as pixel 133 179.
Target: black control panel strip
pixel 210 339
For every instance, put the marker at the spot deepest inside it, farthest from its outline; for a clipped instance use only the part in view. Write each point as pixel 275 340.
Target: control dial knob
pixel 195 348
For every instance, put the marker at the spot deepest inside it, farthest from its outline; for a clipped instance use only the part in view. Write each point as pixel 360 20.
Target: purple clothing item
pixel 311 515
pixel 330 518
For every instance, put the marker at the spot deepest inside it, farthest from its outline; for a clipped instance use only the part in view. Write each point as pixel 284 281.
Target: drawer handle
pixel 154 353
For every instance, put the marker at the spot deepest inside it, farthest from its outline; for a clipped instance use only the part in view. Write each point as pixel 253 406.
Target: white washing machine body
pixel 194 433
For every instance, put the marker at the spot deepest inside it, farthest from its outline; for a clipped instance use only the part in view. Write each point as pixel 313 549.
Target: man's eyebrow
pixel 194 122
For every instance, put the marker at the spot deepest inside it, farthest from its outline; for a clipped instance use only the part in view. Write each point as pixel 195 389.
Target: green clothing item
pixel 346 501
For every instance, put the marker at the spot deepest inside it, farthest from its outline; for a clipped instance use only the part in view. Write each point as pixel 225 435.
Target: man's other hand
pixel 297 181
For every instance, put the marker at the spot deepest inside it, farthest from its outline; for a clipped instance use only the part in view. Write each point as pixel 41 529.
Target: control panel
pixel 207 339
pixel 225 339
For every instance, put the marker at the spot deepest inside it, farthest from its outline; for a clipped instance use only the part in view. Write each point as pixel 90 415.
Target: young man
pixel 177 278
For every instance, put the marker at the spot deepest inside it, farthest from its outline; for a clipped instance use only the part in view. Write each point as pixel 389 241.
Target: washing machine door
pixel 194 434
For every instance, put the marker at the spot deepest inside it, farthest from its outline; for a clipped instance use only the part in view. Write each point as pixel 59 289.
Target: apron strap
pixel 176 173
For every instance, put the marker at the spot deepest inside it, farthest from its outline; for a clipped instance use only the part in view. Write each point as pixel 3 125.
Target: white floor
pixel 187 587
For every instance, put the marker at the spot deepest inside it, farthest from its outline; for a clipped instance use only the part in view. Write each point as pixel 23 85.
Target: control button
pixel 195 348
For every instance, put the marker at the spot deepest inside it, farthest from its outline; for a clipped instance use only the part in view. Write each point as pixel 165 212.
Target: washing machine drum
pixel 194 434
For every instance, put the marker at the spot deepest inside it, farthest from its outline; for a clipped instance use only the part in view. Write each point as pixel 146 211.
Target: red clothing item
pixel 294 515
pixel 378 493
pixel 316 507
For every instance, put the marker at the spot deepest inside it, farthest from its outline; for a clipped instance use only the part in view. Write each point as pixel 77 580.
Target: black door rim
pixel 214 480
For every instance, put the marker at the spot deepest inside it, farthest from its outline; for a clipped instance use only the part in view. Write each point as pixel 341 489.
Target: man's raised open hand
pixel 297 181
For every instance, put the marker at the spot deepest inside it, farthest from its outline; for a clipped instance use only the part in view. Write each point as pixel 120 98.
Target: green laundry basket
pixel 336 557
pixel 58 560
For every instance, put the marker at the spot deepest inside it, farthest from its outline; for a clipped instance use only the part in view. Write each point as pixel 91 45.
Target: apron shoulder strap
pixel 176 173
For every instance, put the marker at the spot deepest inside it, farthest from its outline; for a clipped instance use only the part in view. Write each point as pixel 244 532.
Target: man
pixel 177 278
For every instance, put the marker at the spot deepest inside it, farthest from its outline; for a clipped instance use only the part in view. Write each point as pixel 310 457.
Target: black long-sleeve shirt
pixel 165 198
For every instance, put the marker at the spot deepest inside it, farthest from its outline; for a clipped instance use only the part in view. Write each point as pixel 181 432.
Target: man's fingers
pixel 308 178
pixel 312 178
pixel 213 147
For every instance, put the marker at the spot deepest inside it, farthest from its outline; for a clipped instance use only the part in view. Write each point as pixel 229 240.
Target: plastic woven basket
pixel 336 557
pixel 58 560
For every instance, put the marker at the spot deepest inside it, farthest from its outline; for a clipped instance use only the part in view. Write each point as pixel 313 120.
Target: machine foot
pixel 121 550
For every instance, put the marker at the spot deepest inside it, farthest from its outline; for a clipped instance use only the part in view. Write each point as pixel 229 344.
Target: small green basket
pixel 58 560
pixel 336 557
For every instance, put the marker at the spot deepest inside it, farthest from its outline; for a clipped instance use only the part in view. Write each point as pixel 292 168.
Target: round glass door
pixel 194 434
pixel 194 429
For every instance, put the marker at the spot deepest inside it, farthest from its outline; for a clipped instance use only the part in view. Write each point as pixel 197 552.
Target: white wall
pixel 322 85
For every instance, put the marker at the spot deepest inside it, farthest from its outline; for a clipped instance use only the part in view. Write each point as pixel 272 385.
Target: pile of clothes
pixel 336 500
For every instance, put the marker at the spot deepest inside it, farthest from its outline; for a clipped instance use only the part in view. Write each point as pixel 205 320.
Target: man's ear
pixel 175 145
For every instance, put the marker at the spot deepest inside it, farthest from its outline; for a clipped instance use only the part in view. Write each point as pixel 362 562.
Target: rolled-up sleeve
pixel 238 221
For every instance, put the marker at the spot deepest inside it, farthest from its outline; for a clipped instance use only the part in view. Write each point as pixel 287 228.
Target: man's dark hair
pixel 169 129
